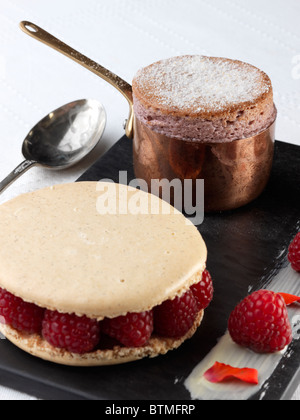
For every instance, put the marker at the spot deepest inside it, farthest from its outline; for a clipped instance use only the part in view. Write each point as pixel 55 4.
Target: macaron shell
pixel 58 251
pixel 37 346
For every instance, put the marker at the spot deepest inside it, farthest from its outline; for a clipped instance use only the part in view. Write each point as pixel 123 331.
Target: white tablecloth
pixel 124 35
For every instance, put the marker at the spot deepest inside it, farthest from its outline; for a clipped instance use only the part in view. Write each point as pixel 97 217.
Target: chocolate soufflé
pixel 205 118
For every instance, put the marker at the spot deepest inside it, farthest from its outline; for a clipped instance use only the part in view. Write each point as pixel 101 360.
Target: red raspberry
pixel 294 253
pixel 76 334
pixel 132 330
pixel 261 323
pixel 203 291
pixel 24 317
pixel 174 318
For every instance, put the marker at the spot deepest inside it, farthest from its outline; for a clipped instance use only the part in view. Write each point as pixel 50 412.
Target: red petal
pixel 220 373
pixel 290 299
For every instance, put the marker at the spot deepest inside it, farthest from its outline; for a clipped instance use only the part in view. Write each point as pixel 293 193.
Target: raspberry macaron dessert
pixel 81 286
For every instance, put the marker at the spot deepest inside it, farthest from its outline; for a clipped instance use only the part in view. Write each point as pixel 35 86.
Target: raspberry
pixel 203 291
pixel 294 253
pixel 24 317
pixel 132 330
pixel 174 318
pixel 76 334
pixel 260 322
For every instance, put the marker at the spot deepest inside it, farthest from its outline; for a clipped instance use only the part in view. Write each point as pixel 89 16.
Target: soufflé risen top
pixel 204 99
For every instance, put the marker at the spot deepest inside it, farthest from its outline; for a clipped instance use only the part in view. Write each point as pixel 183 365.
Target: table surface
pixel 124 36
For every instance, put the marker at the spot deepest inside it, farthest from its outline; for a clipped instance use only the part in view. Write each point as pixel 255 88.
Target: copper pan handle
pixel 121 85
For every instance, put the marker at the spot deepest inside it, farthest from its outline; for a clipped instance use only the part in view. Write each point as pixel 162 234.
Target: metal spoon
pixel 62 138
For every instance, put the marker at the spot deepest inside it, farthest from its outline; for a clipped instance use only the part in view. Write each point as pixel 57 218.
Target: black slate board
pixel 243 250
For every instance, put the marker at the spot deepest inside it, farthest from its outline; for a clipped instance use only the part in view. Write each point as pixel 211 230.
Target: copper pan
pixel 234 173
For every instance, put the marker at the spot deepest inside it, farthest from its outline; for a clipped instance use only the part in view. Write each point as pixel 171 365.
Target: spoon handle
pixel 121 85
pixel 15 174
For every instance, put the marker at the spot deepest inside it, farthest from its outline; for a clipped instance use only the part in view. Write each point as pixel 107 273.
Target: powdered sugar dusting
pixel 197 83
